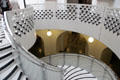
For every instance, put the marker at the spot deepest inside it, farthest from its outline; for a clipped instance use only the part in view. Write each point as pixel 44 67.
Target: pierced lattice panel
pixel 112 21
pixel 43 14
pixel 70 13
pixel 22 23
pixel 89 14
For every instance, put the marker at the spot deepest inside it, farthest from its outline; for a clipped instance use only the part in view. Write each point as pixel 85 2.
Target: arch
pixel 106 55
pixel 72 42
pixel 38 48
pixel 109 57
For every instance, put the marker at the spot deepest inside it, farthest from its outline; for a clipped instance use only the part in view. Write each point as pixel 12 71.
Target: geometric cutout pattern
pixel 112 24
pixel 84 13
pixel 43 14
pixel 70 13
pixel 87 15
pixel 23 26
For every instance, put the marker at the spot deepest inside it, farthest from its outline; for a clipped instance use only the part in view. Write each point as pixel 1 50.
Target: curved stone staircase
pixel 9 65
pixel 20 24
pixel 76 73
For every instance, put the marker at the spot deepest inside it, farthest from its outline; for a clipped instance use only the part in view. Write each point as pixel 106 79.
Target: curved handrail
pixel 102 64
pixel 29 56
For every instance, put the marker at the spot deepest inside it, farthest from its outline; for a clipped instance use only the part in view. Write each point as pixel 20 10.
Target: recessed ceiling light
pixel 90 39
pixel 49 33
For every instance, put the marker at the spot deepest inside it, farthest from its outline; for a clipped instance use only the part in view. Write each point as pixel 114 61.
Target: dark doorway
pixel 115 64
pixel 85 1
pixel 109 57
pixel 38 48
pixel 72 42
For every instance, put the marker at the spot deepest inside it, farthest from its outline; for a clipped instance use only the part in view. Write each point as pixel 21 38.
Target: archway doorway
pixel 38 48
pixel 72 42
pixel 109 57
pixel 106 55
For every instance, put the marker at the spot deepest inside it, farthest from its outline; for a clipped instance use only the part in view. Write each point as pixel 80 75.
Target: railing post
pixel 62 74
pixel 77 60
pixel 50 60
pixel 63 59
pixel 104 74
pixel 44 72
pixel 92 61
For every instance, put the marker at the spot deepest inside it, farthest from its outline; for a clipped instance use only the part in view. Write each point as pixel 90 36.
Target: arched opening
pixel 38 48
pixel 106 55
pixel 72 42
pixel 109 57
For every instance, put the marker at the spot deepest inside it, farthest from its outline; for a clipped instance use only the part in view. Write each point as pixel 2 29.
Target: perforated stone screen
pixel 23 25
pixel 70 13
pixel 83 13
pixel 43 14
pixel 88 14
pixel 112 21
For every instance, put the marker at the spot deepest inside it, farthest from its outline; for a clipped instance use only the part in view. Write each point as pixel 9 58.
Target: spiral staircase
pixel 18 26
pixel 9 67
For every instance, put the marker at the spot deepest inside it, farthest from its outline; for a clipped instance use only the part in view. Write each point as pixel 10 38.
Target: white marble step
pixel 5 50
pixel 7 58
pixel 73 73
pixel 5 53
pixel 76 73
pixel 77 76
pixel 16 76
pixel 5 62
pixel 7 72
pixel 5 45
pixel 68 69
pixel 4 42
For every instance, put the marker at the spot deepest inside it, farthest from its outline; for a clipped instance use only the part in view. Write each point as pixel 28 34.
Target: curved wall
pixel 21 26
pixel 98 22
pixel 97 68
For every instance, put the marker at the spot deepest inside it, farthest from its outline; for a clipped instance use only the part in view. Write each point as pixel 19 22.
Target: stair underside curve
pixel 9 67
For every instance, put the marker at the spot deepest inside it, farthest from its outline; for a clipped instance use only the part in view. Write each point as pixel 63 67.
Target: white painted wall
pixel 14 4
pixel 107 3
pixel 28 2
pixel 27 40
pixel 61 1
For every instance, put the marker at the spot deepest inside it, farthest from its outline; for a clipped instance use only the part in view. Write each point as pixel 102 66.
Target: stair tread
pixel 5 56
pixel 4 41
pixel 5 53
pixel 16 75
pixel 5 62
pixel 5 47
pixel 7 72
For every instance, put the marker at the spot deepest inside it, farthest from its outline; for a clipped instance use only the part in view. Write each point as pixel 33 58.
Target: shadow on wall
pixel 72 42
pixel 112 60
pixel 80 1
pixel 38 48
